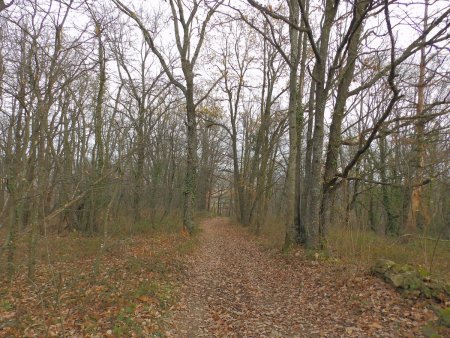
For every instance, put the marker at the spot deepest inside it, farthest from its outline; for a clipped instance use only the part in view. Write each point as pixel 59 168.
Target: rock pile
pixel 411 281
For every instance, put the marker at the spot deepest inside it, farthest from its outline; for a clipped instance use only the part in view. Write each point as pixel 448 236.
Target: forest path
pixel 235 288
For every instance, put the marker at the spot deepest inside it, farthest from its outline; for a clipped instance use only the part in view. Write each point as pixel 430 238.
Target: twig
pixel 424 237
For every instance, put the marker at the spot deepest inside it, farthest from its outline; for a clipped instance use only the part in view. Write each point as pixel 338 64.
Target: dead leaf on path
pixel 375 325
pixel 235 288
pixel 148 299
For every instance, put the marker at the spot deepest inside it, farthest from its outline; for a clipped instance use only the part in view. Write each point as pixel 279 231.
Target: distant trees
pixel 184 17
pixel 77 145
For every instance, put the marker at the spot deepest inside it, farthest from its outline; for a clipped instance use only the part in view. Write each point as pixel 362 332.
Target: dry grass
pixel 363 248
pixel 73 245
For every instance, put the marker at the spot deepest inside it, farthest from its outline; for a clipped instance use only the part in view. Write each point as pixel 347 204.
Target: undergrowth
pixel 119 285
pixel 363 248
pixel 432 256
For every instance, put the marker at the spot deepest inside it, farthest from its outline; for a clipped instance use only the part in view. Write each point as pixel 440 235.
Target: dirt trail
pixel 234 288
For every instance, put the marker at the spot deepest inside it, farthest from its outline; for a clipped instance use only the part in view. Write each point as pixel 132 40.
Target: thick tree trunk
pixel 292 235
pixel 299 220
pixel 319 71
pixel 334 143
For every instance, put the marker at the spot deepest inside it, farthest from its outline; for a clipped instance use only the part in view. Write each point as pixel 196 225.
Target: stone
pixel 410 280
pixel 383 265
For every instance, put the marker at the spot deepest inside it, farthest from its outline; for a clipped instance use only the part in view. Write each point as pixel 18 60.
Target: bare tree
pixel 184 30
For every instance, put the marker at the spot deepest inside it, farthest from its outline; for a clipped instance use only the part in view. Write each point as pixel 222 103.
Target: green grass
pixel 5 305
pixel 125 323
pixel 159 290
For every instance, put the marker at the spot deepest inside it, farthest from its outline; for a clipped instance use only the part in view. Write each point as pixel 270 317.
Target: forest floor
pixel 222 282
pixel 85 287
pixel 234 287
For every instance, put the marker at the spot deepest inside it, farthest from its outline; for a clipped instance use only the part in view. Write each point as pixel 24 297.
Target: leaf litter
pixel 224 285
pixel 126 291
pixel 235 288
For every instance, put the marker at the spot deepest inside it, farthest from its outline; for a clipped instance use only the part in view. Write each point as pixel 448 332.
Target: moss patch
pixel 410 280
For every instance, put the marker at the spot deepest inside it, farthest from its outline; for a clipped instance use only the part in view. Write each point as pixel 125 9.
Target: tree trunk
pixel 292 235
pixel 191 169
pixel 334 143
pixel 318 136
pixel 416 216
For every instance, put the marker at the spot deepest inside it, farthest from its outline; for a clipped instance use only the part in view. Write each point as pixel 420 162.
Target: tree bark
pixel 334 142
pixel 416 218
